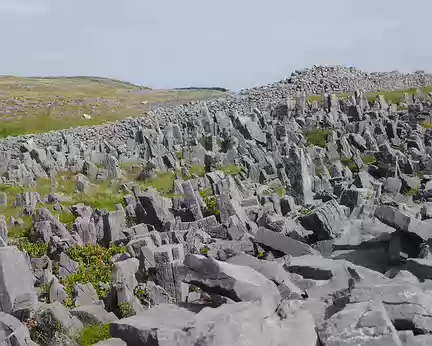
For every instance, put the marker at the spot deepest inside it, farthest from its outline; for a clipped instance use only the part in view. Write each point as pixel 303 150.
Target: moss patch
pixel 369 159
pixel 91 335
pixel 350 163
pixel 231 169
pixel 426 124
pixel 317 137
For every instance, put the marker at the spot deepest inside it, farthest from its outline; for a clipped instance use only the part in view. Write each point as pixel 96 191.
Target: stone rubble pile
pixel 319 79
pixel 308 244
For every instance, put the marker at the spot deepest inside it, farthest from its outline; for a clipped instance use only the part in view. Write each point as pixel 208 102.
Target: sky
pixel 229 43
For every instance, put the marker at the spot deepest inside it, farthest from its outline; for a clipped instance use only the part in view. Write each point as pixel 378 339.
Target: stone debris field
pixel 293 214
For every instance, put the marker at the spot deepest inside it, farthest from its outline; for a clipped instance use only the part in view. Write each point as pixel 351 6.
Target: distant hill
pixel 204 88
pixel 40 104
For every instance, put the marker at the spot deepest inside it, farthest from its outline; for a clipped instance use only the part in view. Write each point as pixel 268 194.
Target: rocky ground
pixel 258 219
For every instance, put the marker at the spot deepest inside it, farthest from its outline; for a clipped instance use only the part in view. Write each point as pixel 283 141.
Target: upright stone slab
pixel 166 259
pixel 298 174
pixel 17 294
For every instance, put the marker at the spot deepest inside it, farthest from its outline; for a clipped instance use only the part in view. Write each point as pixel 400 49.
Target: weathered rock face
pixel 326 221
pixel 297 172
pixel 359 324
pixel 238 283
pixel 269 220
pixel 156 210
pixel 246 323
pixel 17 294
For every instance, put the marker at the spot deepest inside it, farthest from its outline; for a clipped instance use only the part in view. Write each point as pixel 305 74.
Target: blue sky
pixel 230 43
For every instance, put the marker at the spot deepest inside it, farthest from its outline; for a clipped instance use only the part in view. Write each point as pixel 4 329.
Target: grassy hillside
pixel 41 104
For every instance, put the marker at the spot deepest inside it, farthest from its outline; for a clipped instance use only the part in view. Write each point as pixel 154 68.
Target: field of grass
pixel 35 105
pixel 395 96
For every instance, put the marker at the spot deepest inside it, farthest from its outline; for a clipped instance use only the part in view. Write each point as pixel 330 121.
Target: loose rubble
pixel 262 219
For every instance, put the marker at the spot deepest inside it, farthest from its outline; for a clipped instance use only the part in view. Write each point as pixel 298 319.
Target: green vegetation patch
pixel 427 124
pixel 95 268
pixel 35 250
pixel 163 182
pixel 91 335
pixel 198 170
pixel 369 159
pixel 413 192
pixel 126 309
pixel 317 137
pixel 231 169
pixel 350 163
pixel 212 205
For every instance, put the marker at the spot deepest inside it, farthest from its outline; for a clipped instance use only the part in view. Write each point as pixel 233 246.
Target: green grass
pixel 101 197
pixel 35 105
pixel 350 164
pixel 280 191
pixel 426 124
pixel 395 96
pixel 231 169
pixel 179 155
pixel 369 159
pixel 163 182
pixel 412 192
pixel 91 335
pixel 198 170
pixel 317 137
pixel 420 175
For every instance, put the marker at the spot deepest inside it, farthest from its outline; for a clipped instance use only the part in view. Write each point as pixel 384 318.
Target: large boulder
pixel 282 243
pixel 363 323
pixel 407 306
pixel 156 209
pixel 13 332
pixel 156 326
pixel 403 222
pixel 239 283
pixel 254 323
pixel 325 221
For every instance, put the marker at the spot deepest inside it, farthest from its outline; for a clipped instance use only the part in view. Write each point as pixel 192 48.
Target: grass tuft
pixel 426 124
pixel 231 169
pixel 91 335
pixel 317 137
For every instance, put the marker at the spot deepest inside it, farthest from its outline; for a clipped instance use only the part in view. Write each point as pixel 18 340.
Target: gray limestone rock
pixel 363 323
pixel 236 282
pixel 325 221
pixel 156 209
pixel 17 294
pixel 282 243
